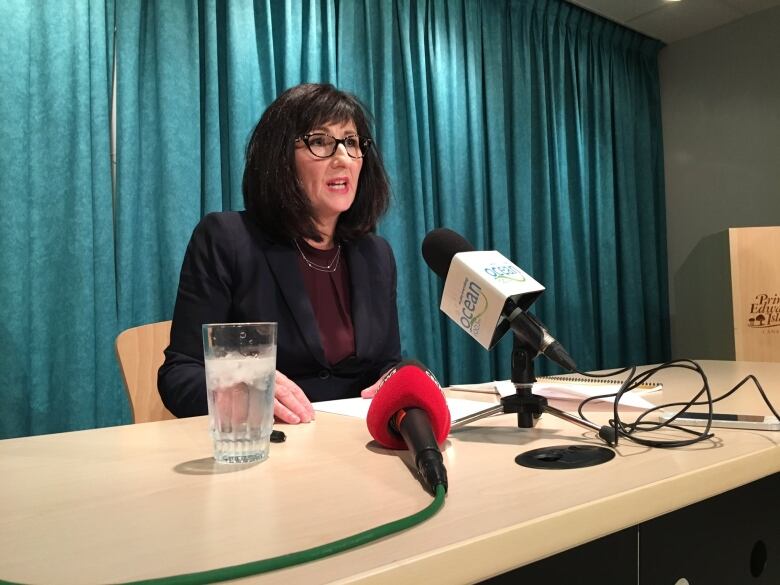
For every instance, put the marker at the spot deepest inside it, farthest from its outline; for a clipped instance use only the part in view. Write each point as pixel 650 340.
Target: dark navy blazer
pixel 233 273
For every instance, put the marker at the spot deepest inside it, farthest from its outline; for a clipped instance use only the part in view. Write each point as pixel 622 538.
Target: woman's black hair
pixel 272 192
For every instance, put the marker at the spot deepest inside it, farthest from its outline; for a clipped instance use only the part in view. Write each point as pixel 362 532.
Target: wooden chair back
pixel 140 354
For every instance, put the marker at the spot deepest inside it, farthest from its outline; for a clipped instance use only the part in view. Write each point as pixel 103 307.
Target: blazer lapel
pixel 360 289
pixel 284 265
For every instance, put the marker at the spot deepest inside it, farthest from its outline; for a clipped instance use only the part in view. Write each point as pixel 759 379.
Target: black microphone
pixel 414 426
pixel 410 411
pixel 438 249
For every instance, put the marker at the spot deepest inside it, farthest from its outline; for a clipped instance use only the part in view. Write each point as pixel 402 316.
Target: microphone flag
pixel 476 288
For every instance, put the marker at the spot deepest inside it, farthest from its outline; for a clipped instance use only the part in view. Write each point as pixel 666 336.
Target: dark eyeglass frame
pixel 363 144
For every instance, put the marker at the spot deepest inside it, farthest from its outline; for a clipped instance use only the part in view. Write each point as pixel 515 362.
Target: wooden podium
pixel 755 292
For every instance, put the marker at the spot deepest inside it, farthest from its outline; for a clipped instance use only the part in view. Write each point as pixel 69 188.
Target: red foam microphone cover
pixel 407 386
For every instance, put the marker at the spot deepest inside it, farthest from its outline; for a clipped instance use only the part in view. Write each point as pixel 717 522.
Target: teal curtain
pixel 57 281
pixel 533 128
pixel 529 126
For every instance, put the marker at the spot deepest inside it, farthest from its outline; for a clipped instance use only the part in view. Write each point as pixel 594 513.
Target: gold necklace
pixel 331 267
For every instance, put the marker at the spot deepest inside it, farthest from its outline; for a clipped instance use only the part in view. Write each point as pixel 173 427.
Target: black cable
pixel 633 381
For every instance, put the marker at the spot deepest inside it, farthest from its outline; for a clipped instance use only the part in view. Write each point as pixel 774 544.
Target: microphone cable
pixel 629 430
pixel 295 558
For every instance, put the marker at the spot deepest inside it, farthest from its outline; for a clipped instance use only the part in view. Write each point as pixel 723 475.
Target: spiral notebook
pixel 570 388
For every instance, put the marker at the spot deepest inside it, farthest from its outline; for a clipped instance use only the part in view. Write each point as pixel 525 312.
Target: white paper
pixel 582 391
pixel 358 407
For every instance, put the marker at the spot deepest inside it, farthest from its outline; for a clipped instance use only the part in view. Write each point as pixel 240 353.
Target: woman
pixel 303 254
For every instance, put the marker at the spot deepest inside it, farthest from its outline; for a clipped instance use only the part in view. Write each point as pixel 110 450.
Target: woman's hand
pixel 371 391
pixel 290 403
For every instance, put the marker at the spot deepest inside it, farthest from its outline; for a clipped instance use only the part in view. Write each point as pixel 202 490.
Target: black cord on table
pixel 629 430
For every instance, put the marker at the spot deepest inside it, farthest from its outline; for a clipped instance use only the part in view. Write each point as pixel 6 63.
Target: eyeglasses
pixel 325 145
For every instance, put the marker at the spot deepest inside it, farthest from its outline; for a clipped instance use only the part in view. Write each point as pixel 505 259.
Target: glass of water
pixel 240 363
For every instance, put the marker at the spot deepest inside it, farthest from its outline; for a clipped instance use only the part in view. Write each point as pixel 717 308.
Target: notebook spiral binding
pixel 596 381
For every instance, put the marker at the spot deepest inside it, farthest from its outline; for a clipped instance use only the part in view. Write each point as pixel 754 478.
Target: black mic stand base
pixel 502 409
pixel 529 407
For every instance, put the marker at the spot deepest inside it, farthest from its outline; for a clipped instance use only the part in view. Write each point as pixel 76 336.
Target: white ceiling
pixel 674 21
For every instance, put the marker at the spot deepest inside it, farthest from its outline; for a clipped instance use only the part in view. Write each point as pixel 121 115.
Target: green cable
pixel 296 558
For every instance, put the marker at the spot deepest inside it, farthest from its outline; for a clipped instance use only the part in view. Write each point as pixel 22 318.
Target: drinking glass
pixel 240 361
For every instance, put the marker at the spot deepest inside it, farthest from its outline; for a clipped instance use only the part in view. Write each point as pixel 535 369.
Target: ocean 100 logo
pixel 765 311
pixel 473 305
pixel 504 272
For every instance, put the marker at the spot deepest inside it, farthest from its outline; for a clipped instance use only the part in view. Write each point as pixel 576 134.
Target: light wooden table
pixel 147 500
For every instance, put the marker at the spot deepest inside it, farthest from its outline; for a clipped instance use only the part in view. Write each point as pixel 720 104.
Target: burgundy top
pixel 329 295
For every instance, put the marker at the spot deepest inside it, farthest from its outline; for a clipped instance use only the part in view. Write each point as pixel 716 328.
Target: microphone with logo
pixel 486 294
pixel 409 411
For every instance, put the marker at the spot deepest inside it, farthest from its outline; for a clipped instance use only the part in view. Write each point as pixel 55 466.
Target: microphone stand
pixel 528 406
